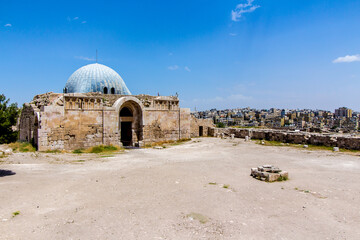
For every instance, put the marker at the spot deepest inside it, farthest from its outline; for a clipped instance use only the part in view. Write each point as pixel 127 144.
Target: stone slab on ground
pixel 269 173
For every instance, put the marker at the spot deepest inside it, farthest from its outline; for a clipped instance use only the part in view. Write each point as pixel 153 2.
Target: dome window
pixel 65 90
pixel 105 90
pixel 112 90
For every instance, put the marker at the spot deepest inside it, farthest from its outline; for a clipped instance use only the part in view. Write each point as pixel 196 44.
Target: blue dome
pixel 96 78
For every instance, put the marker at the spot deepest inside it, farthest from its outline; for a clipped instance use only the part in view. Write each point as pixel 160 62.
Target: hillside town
pixel 341 120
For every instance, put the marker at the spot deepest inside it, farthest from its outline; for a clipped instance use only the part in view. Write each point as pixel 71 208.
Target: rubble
pixel 5 150
pixel 269 173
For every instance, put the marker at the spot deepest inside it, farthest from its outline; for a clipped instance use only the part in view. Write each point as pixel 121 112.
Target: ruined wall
pixel 51 130
pixel 27 126
pixel 347 142
pixel 185 122
pixel 162 125
pixel 196 123
pixel 81 122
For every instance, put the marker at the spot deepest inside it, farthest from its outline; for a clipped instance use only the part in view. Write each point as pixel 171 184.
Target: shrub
pixel 22 147
pixel 103 148
pixel 8 118
pixel 78 151
pixel 220 125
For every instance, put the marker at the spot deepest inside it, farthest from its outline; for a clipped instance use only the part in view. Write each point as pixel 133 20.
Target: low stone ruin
pixel 269 173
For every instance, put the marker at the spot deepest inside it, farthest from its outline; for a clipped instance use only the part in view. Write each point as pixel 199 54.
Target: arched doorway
pixel 126 119
pixel 130 122
pixel 35 140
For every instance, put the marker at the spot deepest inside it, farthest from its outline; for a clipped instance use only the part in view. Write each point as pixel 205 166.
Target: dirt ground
pixel 178 193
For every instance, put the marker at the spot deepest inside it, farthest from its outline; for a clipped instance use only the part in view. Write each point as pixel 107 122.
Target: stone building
pixel 97 108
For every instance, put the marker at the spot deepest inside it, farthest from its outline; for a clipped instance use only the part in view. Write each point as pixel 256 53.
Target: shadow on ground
pixel 4 173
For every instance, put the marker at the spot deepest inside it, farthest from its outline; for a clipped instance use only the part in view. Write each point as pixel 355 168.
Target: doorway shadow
pixel 4 173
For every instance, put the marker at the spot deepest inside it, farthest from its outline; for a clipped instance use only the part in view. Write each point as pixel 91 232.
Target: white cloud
pixel 187 69
pixel 228 99
pixel 242 8
pixel 173 68
pixel 85 58
pixel 238 97
pixel 70 19
pixel 347 59
pixel 8 25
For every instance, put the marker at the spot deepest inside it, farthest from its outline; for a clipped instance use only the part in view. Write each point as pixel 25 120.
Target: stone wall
pixel 28 123
pixel 198 125
pixel 162 125
pixel 347 142
pixel 74 121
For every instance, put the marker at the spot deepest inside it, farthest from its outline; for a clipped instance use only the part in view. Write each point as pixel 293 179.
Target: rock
pixel 232 136
pixel 305 146
pixel 336 149
pixel 274 170
pixel 284 174
pixel 253 171
pixel 5 150
pixel 260 168
pixel 247 138
pixel 269 173
pixel 158 147
pixel 8 151
pixel 273 177
pixel 262 143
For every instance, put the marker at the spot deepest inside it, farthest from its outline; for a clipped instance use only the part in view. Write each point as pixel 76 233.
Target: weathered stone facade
pixel 200 127
pixel 81 120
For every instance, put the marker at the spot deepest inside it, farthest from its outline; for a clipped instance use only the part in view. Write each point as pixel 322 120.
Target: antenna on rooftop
pixel 96 56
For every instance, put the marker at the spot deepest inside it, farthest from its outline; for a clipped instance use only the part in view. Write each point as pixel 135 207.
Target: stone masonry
pixel 347 142
pixel 82 120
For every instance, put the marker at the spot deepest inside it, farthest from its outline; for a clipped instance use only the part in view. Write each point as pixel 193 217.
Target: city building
pixel 343 112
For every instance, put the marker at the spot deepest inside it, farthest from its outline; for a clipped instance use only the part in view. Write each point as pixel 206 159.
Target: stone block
pixel 269 173
pixel 336 149
pixel 284 174
pixel 273 177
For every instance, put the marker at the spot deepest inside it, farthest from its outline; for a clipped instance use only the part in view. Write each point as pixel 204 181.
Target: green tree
pixel 220 125
pixel 8 118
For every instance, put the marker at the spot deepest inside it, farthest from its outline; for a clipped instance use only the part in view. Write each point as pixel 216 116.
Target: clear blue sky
pixel 214 53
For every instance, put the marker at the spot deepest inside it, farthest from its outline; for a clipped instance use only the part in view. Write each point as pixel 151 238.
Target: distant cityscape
pixel 342 120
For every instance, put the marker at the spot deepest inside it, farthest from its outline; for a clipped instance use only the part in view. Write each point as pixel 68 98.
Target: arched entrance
pixel 130 120
pixel 126 119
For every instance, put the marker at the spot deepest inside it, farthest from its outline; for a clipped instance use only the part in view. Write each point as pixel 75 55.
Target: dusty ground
pixel 165 194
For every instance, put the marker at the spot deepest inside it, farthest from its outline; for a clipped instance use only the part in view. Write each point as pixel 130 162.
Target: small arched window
pixel 105 90
pixel 112 90
pixel 65 90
